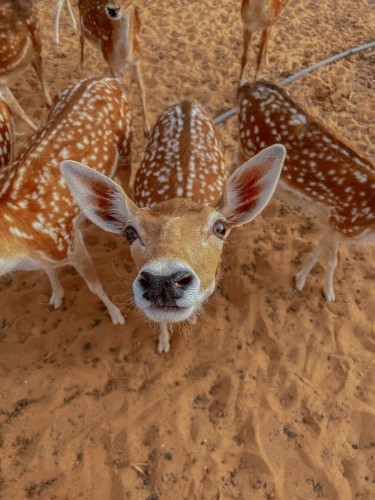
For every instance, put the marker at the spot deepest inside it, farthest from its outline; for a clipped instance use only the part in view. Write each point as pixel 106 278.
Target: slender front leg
pixel 305 271
pixel 262 49
pixel 138 76
pixel 81 260
pixel 15 106
pixel 82 42
pixel 59 6
pixel 331 258
pixel 71 14
pixel 38 66
pixel 246 43
pixel 163 345
pixel 57 290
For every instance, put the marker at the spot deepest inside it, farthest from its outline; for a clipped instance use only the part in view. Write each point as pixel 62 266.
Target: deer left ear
pixel 251 186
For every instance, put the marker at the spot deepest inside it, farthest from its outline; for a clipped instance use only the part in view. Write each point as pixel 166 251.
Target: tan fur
pixel 6 137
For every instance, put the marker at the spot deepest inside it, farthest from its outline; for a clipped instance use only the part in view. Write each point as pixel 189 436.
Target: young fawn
pixel 39 227
pixel 58 9
pixel 20 46
pixel 183 213
pixel 259 15
pixel 6 138
pixel 321 172
pixel 114 26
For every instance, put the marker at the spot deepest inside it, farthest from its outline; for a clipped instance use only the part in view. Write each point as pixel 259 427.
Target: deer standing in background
pixel 20 46
pixel 321 172
pixel 39 224
pixel 185 210
pixel 259 15
pixel 114 26
pixel 6 137
pixel 58 9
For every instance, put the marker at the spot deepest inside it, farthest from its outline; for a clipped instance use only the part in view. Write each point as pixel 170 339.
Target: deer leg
pixel 82 43
pixel 331 257
pixel 38 66
pixel 139 79
pixel 246 43
pixel 71 14
pixel 15 106
pixel 305 271
pixel 265 53
pixel 163 345
pixel 59 6
pixel 57 289
pixel 262 49
pixel 81 260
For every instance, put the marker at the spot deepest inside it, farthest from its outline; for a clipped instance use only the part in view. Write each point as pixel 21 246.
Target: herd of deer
pixel 184 204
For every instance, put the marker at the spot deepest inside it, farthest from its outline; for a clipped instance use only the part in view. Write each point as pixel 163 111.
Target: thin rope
pixel 231 112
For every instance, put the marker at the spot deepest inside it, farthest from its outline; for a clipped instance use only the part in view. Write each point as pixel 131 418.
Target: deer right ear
pixel 101 200
pixel 251 186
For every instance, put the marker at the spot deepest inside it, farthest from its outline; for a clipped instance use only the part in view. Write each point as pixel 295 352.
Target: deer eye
pixel 219 229
pixel 130 234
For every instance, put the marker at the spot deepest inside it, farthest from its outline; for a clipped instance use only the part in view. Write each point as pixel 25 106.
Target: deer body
pixel 114 27
pixel 58 9
pixel 184 210
pixel 39 228
pixel 20 46
pixel 321 172
pixel 259 15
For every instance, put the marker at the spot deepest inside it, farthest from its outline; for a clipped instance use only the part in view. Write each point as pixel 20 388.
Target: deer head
pixel 177 244
pixel 117 9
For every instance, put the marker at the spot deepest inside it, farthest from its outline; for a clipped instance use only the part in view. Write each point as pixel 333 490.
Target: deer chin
pixel 163 314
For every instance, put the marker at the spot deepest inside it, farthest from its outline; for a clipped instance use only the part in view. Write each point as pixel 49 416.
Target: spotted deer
pixel 321 172
pixel 40 223
pixel 183 212
pixel 20 46
pixel 58 9
pixel 259 15
pixel 6 137
pixel 114 27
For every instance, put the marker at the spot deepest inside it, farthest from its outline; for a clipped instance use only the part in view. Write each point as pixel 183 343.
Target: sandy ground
pixel 271 394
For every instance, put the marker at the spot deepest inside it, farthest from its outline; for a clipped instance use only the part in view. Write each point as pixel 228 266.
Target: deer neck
pixel 122 32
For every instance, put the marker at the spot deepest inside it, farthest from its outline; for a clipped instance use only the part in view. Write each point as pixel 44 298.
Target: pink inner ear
pixel 248 189
pixel 102 199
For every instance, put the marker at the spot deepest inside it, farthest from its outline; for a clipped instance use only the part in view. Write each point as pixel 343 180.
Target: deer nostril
pixel 113 11
pixel 145 280
pixel 183 279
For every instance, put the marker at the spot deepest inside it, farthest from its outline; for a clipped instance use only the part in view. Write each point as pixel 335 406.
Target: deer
pixel 259 15
pixel 183 210
pixel 41 226
pixel 20 46
pixel 6 137
pixel 114 27
pixel 58 9
pixel 322 173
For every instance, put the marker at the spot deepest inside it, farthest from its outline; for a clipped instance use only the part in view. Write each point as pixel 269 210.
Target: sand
pixel 271 394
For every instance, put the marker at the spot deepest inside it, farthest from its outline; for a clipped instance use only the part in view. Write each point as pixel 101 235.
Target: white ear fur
pixel 251 186
pixel 101 200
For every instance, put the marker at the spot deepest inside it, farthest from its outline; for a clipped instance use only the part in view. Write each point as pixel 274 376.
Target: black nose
pixel 164 290
pixel 113 11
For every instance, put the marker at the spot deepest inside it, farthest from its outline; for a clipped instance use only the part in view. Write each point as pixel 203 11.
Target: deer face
pixel 177 244
pixel 116 9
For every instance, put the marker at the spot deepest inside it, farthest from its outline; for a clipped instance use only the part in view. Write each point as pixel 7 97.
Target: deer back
pixel 319 167
pixel 89 123
pixel 183 159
